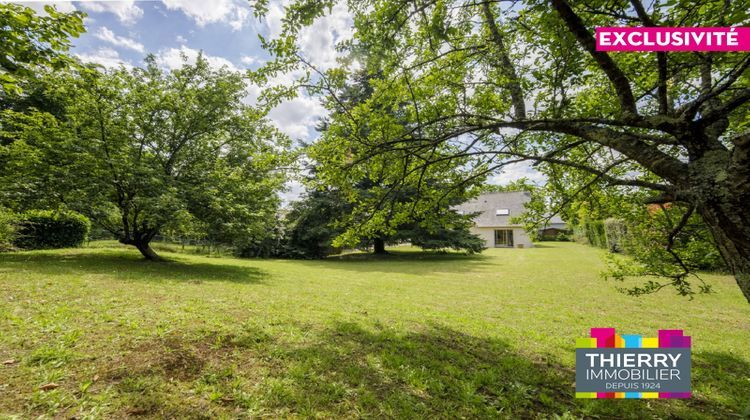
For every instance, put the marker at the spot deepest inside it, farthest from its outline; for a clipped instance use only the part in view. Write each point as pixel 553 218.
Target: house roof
pixel 488 204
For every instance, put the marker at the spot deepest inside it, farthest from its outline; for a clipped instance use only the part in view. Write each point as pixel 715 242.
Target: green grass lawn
pixel 412 335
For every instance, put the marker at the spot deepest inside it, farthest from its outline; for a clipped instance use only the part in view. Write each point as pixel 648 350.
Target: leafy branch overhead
pixel 42 42
pixel 465 88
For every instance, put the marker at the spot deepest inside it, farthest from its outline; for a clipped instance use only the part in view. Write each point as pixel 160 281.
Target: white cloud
pixel 172 58
pixel 105 34
pixel 38 6
pixel 298 117
pixel 274 16
pixel 318 41
pixel 516 171
pixel 106 57
pixel 126 11
pixel 249 60
pixel 239 17
pixel 181 39
pixel 233 12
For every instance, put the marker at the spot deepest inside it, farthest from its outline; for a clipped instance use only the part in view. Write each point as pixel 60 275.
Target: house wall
pixel 488 234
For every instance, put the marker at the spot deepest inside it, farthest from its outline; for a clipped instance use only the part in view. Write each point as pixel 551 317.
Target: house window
pixel 503 238
pixel 502 212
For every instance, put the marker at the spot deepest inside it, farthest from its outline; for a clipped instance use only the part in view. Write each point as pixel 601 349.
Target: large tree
pixel 441 228
pixel 503 81
pixel 138 149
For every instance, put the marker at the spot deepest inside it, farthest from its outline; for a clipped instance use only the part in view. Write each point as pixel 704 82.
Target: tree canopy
pixel 440 228
pixel 140 150
pixel 466 88
pixel 30 42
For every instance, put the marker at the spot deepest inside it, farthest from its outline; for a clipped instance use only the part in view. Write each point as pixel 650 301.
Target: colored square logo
pixel 609 365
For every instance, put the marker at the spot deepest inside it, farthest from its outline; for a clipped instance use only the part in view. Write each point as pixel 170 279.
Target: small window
pixel 502 212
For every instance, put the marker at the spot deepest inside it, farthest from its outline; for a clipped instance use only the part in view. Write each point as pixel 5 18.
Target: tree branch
pixel 689 110
pixel 506 66
pixel 603 60
pixel 739 99
pixel 661 60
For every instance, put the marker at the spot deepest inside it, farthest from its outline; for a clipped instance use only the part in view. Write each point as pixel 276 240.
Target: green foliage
pixel 457 238
pixel 311 224
pixel 49 229
pixel 591 232
pixel 383 205
pixel 184 228
pixel 143 150
pixel 670 244
pixel 30 41
pixel 460 90
pixel 615 234
pixel 315 222
pixel 8 229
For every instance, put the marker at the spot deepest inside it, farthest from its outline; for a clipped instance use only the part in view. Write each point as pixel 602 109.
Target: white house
pixel 493 221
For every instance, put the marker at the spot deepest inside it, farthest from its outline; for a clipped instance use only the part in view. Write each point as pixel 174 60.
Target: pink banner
pixel 673 39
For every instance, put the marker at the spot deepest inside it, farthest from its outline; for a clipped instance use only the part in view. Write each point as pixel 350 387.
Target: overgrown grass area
pixel 411 335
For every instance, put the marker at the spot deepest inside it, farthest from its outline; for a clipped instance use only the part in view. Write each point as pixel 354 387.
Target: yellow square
pixel 650 343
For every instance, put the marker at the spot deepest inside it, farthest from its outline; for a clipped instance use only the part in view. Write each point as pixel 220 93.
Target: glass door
pixel 503 238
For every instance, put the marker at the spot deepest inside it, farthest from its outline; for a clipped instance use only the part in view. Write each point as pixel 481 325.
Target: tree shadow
pixel 443 373
pixel 405 262
pixel 437 373
pixel 127 266
pixel 721 376
pixel 545 244
pixel 348 370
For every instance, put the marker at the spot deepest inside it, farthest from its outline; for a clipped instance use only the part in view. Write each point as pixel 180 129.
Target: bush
pixel 458 238
pixel 591 232
pixel 45 229
pixel 7 230
pixel 615 234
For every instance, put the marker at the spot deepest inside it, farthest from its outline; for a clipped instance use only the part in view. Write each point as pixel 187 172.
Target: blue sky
pixel 124 32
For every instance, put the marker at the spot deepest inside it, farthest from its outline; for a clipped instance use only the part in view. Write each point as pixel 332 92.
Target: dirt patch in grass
pixel 172 358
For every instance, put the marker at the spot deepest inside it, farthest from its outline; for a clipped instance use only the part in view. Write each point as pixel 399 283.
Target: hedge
pixel 46 229
pixel 7 229
pixel 591 232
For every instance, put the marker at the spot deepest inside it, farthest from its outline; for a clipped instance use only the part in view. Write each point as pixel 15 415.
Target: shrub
pixel 591 232
pixel 7 230
pixel 45 229
pixel 615 234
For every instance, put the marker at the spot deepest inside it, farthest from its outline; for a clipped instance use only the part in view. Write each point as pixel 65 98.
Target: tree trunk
pixel 379 246
pixel 148 252
pixel 730 227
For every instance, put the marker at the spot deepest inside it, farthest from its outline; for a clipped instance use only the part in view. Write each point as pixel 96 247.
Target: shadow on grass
pixel 123 265
pixel 722 376
pixel 442 373
pixel 348 371
pixel 438 373
pixel 405 262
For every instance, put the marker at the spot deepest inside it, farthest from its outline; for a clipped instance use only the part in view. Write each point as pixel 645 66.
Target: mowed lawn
pixel 412 335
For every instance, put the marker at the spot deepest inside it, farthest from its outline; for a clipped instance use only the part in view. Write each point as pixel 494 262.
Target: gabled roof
pixel 488 204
